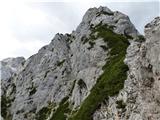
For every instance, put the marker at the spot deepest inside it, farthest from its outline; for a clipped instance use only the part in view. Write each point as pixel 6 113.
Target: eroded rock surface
pixel 55 83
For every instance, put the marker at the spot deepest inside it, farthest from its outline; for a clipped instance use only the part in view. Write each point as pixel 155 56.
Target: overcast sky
pixel 26 27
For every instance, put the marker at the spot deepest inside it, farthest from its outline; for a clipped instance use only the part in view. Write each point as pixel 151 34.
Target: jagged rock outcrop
pixel 79 75
pixel 139 100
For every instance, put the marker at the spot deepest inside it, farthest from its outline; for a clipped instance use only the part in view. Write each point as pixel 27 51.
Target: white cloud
pixel 25 16
pixel 25 29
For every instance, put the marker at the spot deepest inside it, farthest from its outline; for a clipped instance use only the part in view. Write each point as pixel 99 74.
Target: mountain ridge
pixel 56 83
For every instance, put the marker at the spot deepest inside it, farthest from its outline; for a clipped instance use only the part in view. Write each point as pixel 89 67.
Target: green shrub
pixel 43 113
pixel 140 38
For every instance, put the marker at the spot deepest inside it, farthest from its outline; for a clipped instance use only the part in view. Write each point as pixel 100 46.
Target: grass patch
pixel 112 79
pixel 62 110
pixel 44 113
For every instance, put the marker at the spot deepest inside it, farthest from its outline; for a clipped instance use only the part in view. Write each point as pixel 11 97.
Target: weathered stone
pixel 67 69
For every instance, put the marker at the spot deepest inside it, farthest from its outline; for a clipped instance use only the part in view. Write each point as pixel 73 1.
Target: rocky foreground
pixel 104 70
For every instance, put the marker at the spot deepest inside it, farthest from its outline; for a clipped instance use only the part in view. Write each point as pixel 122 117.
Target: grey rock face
pixel 139 100
pixel 71 64
pixel 10 66
pixel 147 74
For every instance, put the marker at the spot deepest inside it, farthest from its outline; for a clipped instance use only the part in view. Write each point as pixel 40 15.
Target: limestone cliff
pixel 104 70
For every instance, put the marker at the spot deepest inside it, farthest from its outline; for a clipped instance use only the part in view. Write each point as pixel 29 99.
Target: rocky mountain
pixel 104 70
